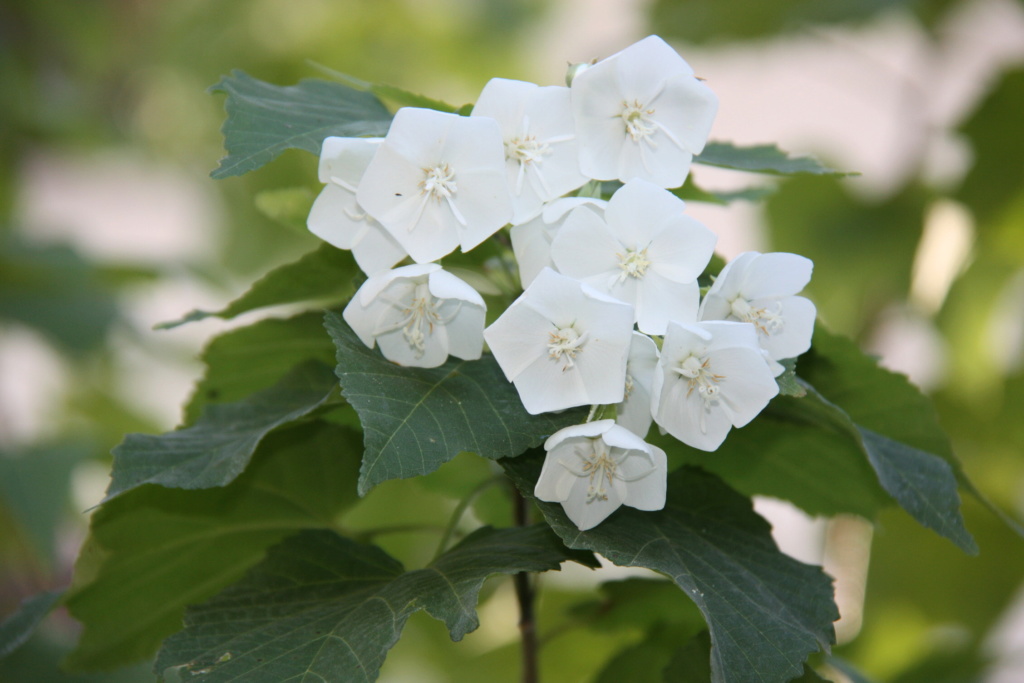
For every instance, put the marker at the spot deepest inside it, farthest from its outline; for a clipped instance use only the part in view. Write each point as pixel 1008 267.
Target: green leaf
pixel 417 419
pixel 691 192
pixel 765 611
pixel 760 159
pixel 794 450
pixel 325 607
pixel 19 627
pixel 326 274
pixel 250 359
pixel 399 96
pixel 646 661
pixel 265 119
pixel 638 603
pixel 896 427
pixel 788 384
pixel 923 484
pixel 217 448
pixel 154 550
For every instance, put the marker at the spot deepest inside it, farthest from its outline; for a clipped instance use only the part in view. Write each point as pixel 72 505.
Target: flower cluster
pixel 612 314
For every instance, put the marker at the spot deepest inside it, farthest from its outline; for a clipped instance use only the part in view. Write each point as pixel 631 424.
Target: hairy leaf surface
pixel 417 419
pixel 327 608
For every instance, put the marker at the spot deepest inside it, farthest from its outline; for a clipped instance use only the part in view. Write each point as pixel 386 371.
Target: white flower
pixel 438 182
pixel 531 241
pixel 541 154
pixel 418 314
pixel 563 344
pixel 634 413
pixel 760 289
pixel 593 468
pixel 711 377
pixel 641 113
pixel 336 216
pixel 645 251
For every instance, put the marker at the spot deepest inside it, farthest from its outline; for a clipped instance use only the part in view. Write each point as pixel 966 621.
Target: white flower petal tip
pixel 634 413
pixel 563 344
pixel 540 142
pixel 437 182
pixel 641 113
pixel 645 251
pixel 761 289
pixel 336 216
pixel 418 315
pixel 593 468
pixel 710 378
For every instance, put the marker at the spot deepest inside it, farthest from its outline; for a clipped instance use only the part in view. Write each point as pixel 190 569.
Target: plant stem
pixel 525 597
pixel 460 510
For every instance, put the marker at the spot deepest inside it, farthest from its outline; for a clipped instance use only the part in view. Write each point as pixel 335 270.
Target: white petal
pixel 648 492
pixel 660 300
pixel 375 249
pixel 794 338
pixel 331 217
pixel 776 274
pixel 344 160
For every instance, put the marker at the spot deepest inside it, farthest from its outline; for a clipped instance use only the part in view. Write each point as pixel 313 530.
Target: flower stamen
pixel 633 263
pixel 700 378
pixel 767 320
pixel 563 344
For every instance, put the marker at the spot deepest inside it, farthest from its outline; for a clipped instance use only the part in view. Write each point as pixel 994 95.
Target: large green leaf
pixel 153 550
pixel 760 159
pixel 265 119
pixel 250 359
pixel 766 612
pixel 326 608
pixel 216 449
pixel 417 419
pixel 326 274
pixel 794 450
pixel 18 627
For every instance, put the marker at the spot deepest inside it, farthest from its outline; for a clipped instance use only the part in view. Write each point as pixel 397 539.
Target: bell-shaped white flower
pixel 531 241
pixel 711 377
pixel 541 154
pixel 563 344
pixel 761 289
pixel 645 251
pixel 641 113
pixel 336 216
pixel 634 413
pixel 593 468
pixel 418 314
pixel 438 181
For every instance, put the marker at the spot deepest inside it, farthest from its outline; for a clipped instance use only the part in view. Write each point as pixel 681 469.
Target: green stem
pixel 525 598
pixel 460 510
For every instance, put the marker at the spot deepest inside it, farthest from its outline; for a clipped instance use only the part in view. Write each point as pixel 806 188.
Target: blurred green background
pixel 110 224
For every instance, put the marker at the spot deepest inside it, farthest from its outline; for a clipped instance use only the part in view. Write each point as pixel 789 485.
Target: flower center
pixel 563 344
pixel 629 387
pixel 439 182
pixel 700 378
pixel 636 116
pixel 526 149
pixel 767 320
pixel 633 263
pixel 599 466
pixel 422 312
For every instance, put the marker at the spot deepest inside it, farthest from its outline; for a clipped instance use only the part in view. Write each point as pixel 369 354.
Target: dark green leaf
pixel 646 661
pixel 416 419
pixel 250 359
pixel 265 119
pixel 923 484
pixel 788 384
pixel 18 627
pixel 402 98
pixel 691 663
pixel 794 451
pixel 896 427
pixel 324 275
pixel 216 449
pixel 760 159
pixel 322 606
pixel 638 603
pixel 691 192
pixel 154 550
pixel 766 612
